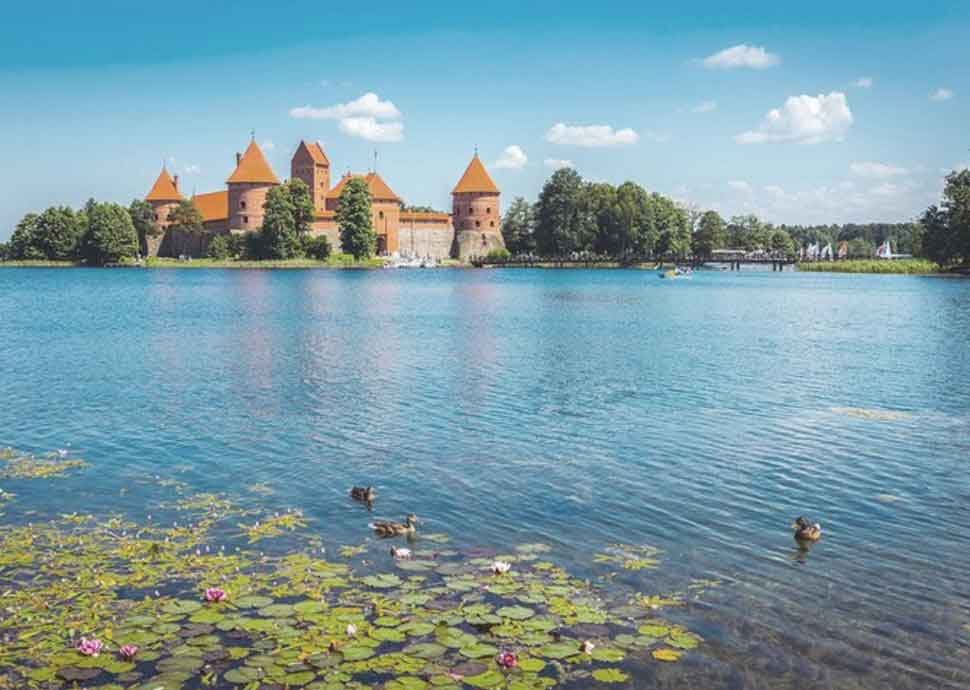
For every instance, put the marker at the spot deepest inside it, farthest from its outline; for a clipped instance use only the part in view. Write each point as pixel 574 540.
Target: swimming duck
pixel 363 493
pixel 396 529
pixel 805 530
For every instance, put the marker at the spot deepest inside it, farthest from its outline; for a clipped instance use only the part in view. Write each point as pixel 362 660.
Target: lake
pixel 576 409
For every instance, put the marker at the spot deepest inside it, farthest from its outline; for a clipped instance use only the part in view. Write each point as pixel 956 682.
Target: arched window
pixel 242 205
pixel 245 220
pixel 488 210
pixel 478 223
pixel 491 223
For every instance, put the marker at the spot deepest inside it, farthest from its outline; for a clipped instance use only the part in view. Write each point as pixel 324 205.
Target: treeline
pixel 628 223
pixel 98 234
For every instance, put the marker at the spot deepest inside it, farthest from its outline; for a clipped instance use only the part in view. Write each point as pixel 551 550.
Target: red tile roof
pixel 377 187
pixel 212 206
pixel 164 189
pixel 475 179
pixel 253 167
pixel 314 151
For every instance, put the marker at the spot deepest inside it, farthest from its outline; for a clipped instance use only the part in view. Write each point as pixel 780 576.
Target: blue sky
pixel 832 112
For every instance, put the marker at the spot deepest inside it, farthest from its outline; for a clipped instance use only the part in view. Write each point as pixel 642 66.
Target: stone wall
pixel 246 201
pixel 433 240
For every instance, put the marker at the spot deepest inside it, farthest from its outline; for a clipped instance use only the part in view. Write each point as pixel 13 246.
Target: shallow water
pixel 570 407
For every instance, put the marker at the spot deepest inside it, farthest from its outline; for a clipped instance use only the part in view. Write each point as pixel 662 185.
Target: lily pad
pixel 181 606
pixel 516 613
pixel 382 581
pixel 426 650
pixel 560 650
pixel 356 653
pixel 608 654
pixel 610 675
pixel 253 602
pixel 667 654
pixel 489 679
pixel 478 651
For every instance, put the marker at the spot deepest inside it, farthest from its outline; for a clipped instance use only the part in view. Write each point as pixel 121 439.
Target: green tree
pixel 711 234
pixel 601 207
pixel 518 227
pixel 946 229
pixel 674 226
pixel 143 218
pixel 636 230
pixel 781 242
pixel 218 248
pixel 355 219
pixel 316 247
pixel 5 251
pixel 279 236
pixel 303 211
pixel 186 217
pixel 562 222
pixel 109 235
pixel 23 241
pixel 58 233
pixel 937 240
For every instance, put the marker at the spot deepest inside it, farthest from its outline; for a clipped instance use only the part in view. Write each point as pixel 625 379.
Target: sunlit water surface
pixel 572 407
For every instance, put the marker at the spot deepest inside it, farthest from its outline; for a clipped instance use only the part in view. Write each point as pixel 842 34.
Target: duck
pixel 396 529
pixel 805 530
pixel 363 493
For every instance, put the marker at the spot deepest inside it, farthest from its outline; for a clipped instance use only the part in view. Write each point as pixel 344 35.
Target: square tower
pixel 311 165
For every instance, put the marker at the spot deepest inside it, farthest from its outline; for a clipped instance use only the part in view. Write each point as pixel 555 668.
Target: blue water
pixel 577 408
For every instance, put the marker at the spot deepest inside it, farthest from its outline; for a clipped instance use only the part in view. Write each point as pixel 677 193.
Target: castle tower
pixel 311 165
pixel 476 212
pixel 163 197
pixel 248 186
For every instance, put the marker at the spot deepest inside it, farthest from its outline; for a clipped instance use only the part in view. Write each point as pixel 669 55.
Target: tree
pixel 218 248
pixel 186 217
pixel 674 226
pixel 303 211
pixel 600 205
pixel 355 220
pixel 781 242
pixel 23 241
pixel 710 235
pixel 5 251
pixel 561 223
pixel 946 229
pixel 143 218
pixel 316 247
pixel 636 230
pixel 109 235
pixel 518 227
pixel 58 232
pixel 279 238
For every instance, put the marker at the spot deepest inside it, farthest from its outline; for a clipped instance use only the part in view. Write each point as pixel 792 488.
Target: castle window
pixel 488 210
pixel 380 214
pixel 245 219
pixel 242 205
pixel 478 223
pixel 156 216
pixel 491 223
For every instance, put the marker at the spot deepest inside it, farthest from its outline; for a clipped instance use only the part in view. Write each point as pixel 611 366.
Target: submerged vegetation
pixel 14 465
pixel 113 604
pixel 898 266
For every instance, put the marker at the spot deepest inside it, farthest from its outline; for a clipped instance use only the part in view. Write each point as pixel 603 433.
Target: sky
pixel 818 112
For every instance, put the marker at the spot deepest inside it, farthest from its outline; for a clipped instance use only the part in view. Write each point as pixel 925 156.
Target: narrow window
pixel 245 220
pixel 242 205
pixel 156 216
pixel 478 223
pixel 488 211
pixel 491 223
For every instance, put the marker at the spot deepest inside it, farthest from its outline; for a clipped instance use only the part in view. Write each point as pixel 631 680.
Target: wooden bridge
pixel 734 261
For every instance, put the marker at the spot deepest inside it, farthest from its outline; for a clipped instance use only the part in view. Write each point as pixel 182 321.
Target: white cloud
pixel 556 163
pixel 941 94
pixel 863 83
pixel 804 119
pixel 192 170
pixel 704 107
pixel 743 55
pixel 369 105
pixel 590 136
pixel 268 145
pixel 512 157
pixel 370 129
pixel 877 170
pixel 740 186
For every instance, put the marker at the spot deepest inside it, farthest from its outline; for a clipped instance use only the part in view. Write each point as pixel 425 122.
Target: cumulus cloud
pixel 363 117
pixel 804 119
pixel 704 107
pixel 370 129
pixel 590 136
pixel 557 163
pixel 941 94
pixel 863 83
pixel 742 56
pixel 369 105
pixel 512 157
pixel 877 170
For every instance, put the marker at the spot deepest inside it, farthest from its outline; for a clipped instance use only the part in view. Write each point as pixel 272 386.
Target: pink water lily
pixel 214 595
pixel 507 659
pixel 128 651
pixel 90 646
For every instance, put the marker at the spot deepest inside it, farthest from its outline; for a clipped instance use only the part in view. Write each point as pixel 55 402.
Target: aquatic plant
pixel 297 620
pixel 16 465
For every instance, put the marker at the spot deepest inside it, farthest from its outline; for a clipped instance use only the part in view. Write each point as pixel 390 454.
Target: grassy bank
pixel 901 266
pixel 334 261
pixel 38 264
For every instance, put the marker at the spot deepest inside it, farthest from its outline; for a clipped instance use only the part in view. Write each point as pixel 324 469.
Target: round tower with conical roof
pixel 476 213
pixel 163 198
pixel 248 186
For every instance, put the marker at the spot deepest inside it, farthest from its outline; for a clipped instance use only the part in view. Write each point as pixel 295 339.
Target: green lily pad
pixel 530 665
pixel 653 630
pixel 516 613
pixel 560 650
pixel 242 675
pixel 382 581
pixel 253 602
pixel 387 634
pixel 356 653
pixel 406 683
pixel 425 650
pixel 489 679
pixel 610 675
pixel 181 606
pixel 478 650
pixel 276 611
pixel 608 654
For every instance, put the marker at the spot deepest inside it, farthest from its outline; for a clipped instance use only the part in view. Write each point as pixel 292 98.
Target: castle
pixel 473 227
